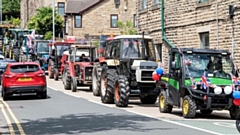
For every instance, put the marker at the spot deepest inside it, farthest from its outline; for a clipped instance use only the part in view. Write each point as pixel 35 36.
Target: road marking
pixel 14 118
pixel 224 124
pixel 165 120
pixel 11 130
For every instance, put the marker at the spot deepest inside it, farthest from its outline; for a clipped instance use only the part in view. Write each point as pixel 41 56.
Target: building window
pixel 135 20
pixel 78 21
pixel 61 8
pixel 156 2
pixel 114 19
pixel 204 40
pixel 201 1
pixel 144 4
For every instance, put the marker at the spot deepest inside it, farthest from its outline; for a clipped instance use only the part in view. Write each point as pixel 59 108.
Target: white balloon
pixel 218 90
pixel 228 90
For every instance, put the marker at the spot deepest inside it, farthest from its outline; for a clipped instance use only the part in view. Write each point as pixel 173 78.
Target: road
pixel 65 112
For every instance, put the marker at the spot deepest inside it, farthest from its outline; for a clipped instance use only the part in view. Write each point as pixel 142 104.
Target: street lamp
pixel 53 16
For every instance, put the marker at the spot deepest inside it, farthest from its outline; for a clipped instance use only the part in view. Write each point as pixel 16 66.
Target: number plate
pixel 24 79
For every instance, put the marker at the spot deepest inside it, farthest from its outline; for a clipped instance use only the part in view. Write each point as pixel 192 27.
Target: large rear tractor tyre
pixel 74 84
pixel 122 91
pixel 16 54
pixel 189 107
pixel 234 111
pixel 107 85
pixel 67 79
pixel 95 87
pixel 56 74
pixel 163 106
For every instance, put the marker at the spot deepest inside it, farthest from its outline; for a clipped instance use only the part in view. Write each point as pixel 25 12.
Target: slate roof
pixel 78 6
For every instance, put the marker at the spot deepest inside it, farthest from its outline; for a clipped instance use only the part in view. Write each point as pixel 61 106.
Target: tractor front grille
pixel 88 73
pixel 146 76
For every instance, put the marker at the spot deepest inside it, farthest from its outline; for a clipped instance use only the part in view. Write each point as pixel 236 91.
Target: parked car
pixel 24 77
pixel 3 64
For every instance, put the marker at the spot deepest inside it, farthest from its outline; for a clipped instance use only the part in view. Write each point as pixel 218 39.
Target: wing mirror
pixel 173 65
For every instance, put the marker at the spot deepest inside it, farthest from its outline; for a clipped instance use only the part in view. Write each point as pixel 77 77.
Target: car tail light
pixel 8 75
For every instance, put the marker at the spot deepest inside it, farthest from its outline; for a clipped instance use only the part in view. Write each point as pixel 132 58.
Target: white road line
pixel 11 130
pixel 168 121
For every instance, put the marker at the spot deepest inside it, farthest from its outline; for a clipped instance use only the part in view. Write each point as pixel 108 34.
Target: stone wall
pixel 96 20
pixel 184 20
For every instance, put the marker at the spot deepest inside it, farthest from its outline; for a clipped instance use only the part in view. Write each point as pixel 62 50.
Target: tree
pixel 11 5
pixel 126 28
pixel 42 21
pixel 14 21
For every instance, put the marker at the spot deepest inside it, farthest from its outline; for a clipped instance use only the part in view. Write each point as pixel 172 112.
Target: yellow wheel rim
pixel 162 101
pixel 10 54
pixel 185 107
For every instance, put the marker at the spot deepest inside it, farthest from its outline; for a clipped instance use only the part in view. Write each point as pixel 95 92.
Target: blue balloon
pixel 236 94
pixel 159 71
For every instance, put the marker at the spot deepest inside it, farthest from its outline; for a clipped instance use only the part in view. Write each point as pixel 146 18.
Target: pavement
pixel 65 112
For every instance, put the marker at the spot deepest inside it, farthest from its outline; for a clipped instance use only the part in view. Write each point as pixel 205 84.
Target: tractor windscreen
pixel 42 47
pixel 219 66
pixel 61 49
pixel 132 48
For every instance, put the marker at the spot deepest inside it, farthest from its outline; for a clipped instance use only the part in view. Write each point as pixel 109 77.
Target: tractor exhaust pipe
pixel 143 47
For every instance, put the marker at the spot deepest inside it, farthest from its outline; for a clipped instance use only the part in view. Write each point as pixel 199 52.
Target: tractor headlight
pixel 228 90
pixel 218 90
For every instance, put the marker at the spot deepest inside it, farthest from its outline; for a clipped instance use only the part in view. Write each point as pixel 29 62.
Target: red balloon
pixel 155 77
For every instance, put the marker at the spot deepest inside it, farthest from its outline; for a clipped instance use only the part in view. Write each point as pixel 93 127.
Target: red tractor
pixel 97 69
pixel 78 68
pixel 57 55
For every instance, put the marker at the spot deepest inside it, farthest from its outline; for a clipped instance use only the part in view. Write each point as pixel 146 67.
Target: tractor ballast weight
pixel 78 67
pixel 127 70
pixel 54 62
pixel 199 79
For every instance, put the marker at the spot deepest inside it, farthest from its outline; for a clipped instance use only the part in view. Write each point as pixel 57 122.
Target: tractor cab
pixel 56 50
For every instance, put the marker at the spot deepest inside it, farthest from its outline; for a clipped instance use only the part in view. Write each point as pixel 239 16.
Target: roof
pixel 132 36
pixel 79 6
pixel 23 63
pixel 110 38
pixel 199 50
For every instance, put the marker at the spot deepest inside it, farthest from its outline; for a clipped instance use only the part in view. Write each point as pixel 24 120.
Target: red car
pixel 23 77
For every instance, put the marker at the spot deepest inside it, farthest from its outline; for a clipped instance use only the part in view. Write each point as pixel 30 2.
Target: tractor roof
pixel 132 36
pixel 61 44
pixel 82 46
pixel 29 30
pixel 205 51
pixel 110 38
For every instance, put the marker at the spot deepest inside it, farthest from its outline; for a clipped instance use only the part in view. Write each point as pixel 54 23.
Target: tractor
pixel 127 71
pixel 54 62
pixel 78 67
pixel 42 53
pixel 200 79
pixel 96 74
pixel 4 34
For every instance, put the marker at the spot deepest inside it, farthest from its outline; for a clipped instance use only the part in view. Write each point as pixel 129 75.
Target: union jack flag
pixel 29 44
pixel 193 83
pixel 32 36
pixel 205 82
pixel 234 79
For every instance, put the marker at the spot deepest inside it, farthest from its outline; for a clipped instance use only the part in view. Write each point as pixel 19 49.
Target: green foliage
pixel 126 28
pixel 15 21
pixel 42 21
pixel 96 43
pixel 48 35
pixel 11 5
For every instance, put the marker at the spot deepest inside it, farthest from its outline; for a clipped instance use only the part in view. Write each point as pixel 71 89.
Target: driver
pixel 130 51
pixel 84 58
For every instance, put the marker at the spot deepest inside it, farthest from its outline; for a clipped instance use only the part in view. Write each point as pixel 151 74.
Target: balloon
pixel 236 102
pixel 159 71
pixel 155 77
pixel 236 94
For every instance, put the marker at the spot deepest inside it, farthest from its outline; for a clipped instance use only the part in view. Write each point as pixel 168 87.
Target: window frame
pixel 135 20
pixel 144 4
pixel 58 6
pixel 75 24
pixel 111 24
pixel 202 37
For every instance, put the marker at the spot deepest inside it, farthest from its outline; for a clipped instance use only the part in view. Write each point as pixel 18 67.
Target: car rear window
pixel 24 68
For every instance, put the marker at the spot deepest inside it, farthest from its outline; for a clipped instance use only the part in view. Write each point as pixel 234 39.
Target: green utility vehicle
pixel 198 79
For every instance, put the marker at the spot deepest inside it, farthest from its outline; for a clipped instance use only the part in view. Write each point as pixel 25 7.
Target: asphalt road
pixel 65 112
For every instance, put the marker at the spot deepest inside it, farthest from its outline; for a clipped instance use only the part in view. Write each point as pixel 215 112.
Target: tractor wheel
pixel 234 112
pixel 16 54
pixel 95 87
pixel 163 106
pixel 189 107
pixel 50 69
pixel 99 73
pixel 148 99
pixel 122 91
pixel 208 111
pixel 107 85
pixel 56 74
pixel 4 95
pixel 74 84
pixel 67 79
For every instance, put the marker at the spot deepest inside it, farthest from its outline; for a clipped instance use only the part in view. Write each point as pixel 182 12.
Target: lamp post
pixel 53 16
pixel 1 11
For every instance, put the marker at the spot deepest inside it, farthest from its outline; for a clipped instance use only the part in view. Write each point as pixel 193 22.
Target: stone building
pixel 191 23
pixel 28 8
pixel 95 18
